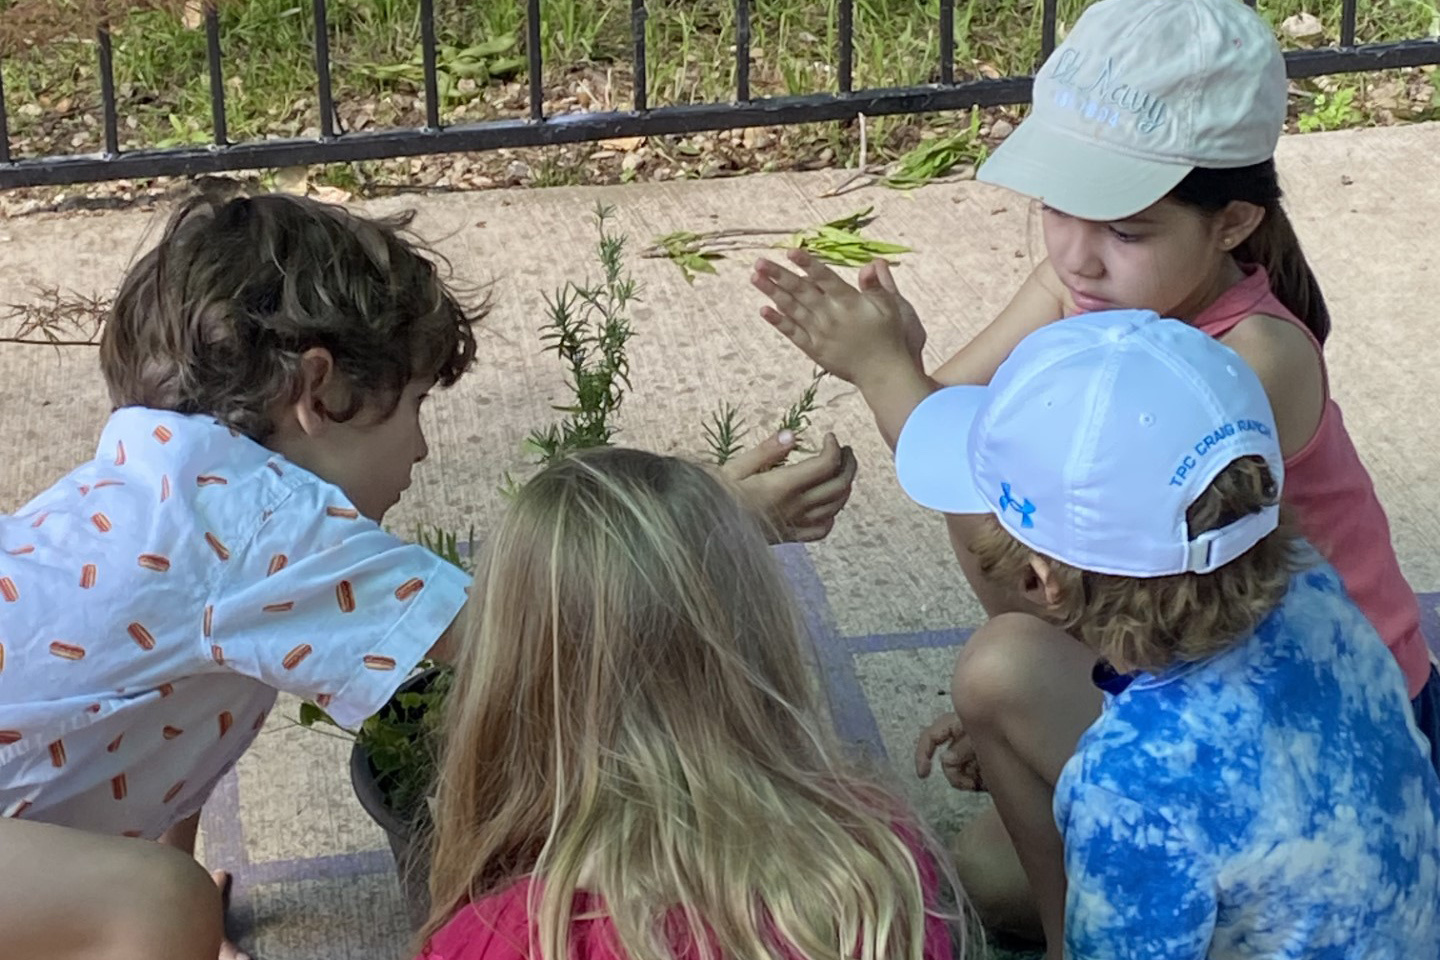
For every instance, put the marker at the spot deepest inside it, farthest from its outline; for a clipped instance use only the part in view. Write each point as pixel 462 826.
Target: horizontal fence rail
pixel 538 129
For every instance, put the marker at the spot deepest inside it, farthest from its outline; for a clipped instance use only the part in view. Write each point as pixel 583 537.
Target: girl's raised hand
pixel 849 332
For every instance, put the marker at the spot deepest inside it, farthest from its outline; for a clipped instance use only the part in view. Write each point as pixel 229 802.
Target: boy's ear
pixel 1236 222
pixel 1042 587
pixel 319 391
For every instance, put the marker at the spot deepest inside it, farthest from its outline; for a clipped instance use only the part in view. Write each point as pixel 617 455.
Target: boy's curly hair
pixel 1152 623
pixel 215 318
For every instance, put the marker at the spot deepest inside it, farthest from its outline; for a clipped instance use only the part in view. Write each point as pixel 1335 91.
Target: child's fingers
pixel 826 281
pixel 791 330
pixel 878 274
pixel 831 493
pixel 770 452
pixel 826 464
pixel 940 732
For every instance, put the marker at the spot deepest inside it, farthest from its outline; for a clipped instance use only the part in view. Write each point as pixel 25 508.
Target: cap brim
pixel 932 456
pixel 1076 176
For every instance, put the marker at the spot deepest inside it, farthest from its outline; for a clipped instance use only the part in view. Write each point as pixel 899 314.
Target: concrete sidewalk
pixel 883 593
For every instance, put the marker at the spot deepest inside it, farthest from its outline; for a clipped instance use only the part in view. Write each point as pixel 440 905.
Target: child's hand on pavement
pixel 849 332
pixel 957 754
pixel 798 501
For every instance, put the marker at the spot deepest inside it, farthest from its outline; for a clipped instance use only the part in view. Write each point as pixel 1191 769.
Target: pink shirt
pixel 498 927
pixel 1334 498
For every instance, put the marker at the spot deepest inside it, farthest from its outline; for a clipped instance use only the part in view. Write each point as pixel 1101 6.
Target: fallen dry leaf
pixel 622 143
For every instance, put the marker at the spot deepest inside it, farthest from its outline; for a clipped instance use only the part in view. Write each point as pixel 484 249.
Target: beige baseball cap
pixel 1140 93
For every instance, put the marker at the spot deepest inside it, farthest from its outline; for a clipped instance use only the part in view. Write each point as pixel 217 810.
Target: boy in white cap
pixel 1256 785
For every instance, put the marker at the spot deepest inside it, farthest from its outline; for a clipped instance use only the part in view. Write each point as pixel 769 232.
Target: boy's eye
pixel 1122 236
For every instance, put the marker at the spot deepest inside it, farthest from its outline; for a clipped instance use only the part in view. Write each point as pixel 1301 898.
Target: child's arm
pixel 447 648
pixel 868 336
pixel 323 604
pixel 1041 300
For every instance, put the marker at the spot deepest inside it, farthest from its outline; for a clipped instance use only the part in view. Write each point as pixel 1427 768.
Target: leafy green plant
pixel 725 430
pixel 589 329
pixel 797 416
pixel 687 249
pixel 723 433
pixel 840 242
pixel 1331 111
pixel 935 158
pixel 480 63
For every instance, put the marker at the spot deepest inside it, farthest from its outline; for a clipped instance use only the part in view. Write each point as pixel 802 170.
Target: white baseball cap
pixel 1140 93
pixel 1093 440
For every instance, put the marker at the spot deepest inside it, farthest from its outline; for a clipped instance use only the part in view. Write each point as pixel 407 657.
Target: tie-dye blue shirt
pixel 1273 801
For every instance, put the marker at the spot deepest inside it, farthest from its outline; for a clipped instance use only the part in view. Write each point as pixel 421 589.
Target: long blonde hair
pixel 634 715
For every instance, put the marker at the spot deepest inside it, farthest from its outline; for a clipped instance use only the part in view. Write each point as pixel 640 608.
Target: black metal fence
pixel 538 129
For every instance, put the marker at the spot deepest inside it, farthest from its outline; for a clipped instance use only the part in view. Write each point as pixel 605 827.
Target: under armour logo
pixel 1023 507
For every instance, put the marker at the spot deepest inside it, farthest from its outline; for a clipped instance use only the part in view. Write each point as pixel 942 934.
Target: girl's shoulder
pixel 495 927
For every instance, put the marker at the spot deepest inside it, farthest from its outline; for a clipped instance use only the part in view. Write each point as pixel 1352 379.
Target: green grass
pixel 270 82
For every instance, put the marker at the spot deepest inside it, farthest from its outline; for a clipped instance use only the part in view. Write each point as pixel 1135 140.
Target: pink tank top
pixel 1334 499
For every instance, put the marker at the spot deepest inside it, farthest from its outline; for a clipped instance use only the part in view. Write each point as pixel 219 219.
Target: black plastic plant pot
pixel 407 831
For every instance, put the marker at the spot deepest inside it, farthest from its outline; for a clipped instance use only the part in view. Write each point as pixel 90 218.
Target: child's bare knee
pixel 995 671
pixel 182 917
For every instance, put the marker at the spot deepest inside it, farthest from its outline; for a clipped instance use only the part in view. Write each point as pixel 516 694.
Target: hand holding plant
pixel 798 501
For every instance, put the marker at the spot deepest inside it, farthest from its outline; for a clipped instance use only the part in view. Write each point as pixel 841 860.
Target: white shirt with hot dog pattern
pixel 154 600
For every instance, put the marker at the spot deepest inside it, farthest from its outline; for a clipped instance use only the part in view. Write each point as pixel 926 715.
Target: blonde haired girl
pixel 635 762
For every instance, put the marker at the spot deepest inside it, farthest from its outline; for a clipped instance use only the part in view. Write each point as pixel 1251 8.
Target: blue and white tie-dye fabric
pixel 1275 801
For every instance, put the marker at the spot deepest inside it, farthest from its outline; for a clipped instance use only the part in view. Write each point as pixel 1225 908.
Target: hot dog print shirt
pixel 154 600
pixel 1274 801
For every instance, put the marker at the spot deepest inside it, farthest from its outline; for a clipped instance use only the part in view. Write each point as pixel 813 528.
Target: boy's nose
pixel 423 450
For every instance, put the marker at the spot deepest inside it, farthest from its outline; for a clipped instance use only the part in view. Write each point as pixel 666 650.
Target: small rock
pixel 632 162
pixel 604 155
pixel 1001 129
pixel 662 174
pixel 827 155
pixel 965 171
pixel 31 110
pixel 1302 26
pixel 517 171
pixel 293 180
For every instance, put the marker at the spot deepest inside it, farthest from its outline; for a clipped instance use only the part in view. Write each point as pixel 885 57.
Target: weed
pixel 935 158
pixel 1331 111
